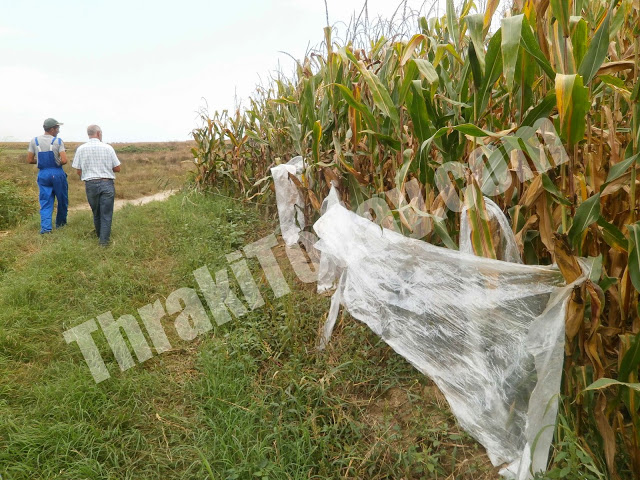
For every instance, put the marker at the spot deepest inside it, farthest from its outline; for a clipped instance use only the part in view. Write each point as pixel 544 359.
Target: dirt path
pixel 136 201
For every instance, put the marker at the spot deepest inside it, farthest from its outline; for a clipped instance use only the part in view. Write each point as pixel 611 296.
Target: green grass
pixel 249 399
pixel 14 204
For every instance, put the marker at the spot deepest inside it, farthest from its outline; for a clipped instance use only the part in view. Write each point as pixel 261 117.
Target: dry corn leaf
pixel 546 228
pixel 617 184
pixel 617 262
pixel 575 313
pixel 557 215
pixel 607 434
pixel 592 348
pixel 614 67
pixel 532 193
pixel 627 291
pixel 565 259
pixel 529 224
pixel 297 182
pixel 330 177
pixel 314 200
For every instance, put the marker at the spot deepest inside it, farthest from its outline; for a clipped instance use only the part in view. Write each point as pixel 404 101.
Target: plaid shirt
pixel 96 160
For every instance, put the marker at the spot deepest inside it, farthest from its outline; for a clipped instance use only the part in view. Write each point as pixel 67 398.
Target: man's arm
pixel 63 158
pixel 77 161
pixel 114 160
pixel 31 157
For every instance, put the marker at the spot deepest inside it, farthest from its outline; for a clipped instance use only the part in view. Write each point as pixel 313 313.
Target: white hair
pixel 93 130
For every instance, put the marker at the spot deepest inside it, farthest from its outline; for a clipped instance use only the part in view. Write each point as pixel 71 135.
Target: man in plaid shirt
pixel 96 164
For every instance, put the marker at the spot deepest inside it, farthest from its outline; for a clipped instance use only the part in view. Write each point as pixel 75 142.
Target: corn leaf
pixel 596 53
pixel 317 135
pixel 308 105
pixel 440 52
pixel 426 69
pixel 493 69
pixel 410 74
pixel 387 140
pixel 630 360
pixel 612 235
pixel 476 68
pixel 634 254
pixel 511 33
pixel 492 5
pixel 612 81
pixel 481 239
pixel 573 105
pixel 359 106
pixel 588 212
pixel 380 94
pixel 619 169
pixel 579 40
pixel 530 44
pixel 607 382
pixel 440 228
pixel 565 259
pixel 475 24
pixel 466 128
pixel 452 22
pixel 418 113
pixel 542 110
pixel 607 282
pixel 560 10
pixel 410 48
pixel 550 187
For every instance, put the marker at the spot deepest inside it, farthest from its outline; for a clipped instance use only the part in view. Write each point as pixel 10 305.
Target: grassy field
pixel 249 399
pixel 147 168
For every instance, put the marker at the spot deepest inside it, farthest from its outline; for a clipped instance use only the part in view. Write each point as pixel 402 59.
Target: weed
pixel 13 205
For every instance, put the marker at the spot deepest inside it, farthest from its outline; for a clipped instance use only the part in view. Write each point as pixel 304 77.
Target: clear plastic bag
pixel 489 333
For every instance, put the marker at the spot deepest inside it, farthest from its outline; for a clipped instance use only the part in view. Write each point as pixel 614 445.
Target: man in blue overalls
pixel 49 153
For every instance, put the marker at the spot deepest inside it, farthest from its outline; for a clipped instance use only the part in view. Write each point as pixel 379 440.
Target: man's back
pixel 44 142
pixel 96 160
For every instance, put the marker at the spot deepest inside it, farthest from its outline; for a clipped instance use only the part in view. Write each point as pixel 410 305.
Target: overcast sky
pixel 140 68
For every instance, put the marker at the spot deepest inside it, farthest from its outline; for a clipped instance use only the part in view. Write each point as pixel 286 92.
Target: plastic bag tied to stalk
pixel 489 333
pixel 506 244
pixel 288 199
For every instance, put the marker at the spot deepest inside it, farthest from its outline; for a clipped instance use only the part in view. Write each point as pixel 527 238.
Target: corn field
pixel 402 103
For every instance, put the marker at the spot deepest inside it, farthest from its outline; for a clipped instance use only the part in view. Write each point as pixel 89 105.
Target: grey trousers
pixel 101 195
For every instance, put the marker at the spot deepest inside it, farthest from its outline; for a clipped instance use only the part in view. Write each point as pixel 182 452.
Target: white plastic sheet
pixel 489 333
pixel 328 270
pixel 288 199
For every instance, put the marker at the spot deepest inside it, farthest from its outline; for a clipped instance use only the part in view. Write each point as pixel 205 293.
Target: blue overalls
pixel 52 181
